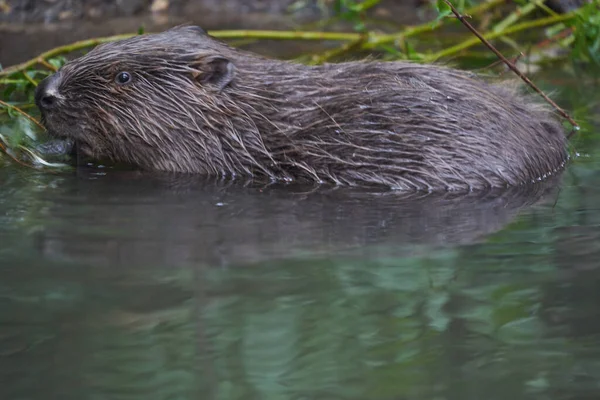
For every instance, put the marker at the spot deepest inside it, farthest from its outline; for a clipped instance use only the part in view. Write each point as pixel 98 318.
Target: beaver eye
pixel 123 78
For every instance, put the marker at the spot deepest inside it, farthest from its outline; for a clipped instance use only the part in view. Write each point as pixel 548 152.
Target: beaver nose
pixel 46 96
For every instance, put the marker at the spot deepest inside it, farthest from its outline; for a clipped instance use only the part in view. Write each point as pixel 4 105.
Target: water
pixel 122 285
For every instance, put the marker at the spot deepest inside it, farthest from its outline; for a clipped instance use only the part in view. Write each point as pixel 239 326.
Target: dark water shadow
pixel 128 218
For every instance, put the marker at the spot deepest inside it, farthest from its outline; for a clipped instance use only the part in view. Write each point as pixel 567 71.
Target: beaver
pixel 182 101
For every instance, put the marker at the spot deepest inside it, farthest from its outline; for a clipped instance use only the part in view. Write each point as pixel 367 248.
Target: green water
pixel 119 285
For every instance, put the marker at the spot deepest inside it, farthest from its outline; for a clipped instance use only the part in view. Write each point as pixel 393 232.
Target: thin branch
pixel 509 64
pixel 284 35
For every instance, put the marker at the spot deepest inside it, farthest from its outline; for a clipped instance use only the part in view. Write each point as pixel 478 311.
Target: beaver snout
pixel 46 94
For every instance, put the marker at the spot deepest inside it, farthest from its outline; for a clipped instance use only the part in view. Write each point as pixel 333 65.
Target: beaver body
pixel 182 101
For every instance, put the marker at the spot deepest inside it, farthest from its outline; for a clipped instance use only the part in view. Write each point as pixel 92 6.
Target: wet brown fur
pixel 197 105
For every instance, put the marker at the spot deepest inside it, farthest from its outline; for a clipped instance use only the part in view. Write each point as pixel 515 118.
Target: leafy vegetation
pixel 586 34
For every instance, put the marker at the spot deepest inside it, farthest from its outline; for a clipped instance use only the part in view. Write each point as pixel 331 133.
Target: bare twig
pixel 510 65
pixel 23 113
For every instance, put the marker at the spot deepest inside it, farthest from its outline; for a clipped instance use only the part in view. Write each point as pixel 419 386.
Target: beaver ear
pixel 217 72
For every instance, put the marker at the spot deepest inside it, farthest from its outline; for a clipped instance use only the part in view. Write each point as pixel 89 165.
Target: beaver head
pixel 182 101
pixel 133 100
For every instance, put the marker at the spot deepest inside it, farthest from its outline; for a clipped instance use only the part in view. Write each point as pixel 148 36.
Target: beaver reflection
pixel 134 219
pixel 181 101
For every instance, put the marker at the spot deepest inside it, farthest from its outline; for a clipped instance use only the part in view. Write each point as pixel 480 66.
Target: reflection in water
pixel 135 219
pixel 124 286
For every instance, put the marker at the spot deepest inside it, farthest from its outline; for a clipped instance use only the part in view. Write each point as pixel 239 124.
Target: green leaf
pixel 10 89
pixel 58 61
pixel 442 8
